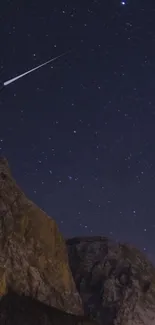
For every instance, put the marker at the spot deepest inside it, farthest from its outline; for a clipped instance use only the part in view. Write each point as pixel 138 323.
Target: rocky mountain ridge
pixel 81 281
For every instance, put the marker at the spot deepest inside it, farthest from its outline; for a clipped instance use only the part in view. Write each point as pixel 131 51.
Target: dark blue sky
pixel 79 133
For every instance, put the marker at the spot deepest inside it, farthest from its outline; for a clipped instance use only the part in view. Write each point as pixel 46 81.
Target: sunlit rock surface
pixel 33 255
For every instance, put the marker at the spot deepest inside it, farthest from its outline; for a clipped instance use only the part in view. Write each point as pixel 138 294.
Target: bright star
pixel 123 3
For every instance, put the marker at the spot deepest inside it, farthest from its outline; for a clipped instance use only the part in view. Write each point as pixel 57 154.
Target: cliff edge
pixel 33 255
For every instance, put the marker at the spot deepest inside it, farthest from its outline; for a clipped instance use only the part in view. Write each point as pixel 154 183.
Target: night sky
pixel 79 133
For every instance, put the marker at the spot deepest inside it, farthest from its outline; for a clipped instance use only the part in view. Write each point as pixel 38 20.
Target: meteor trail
pixel 8 82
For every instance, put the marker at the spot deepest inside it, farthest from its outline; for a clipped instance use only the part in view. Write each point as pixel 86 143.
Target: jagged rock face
pixel 33 255
pixel 115 281
pixel 20 310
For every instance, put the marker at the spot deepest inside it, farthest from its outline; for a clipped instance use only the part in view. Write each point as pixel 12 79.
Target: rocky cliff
pixel 33 255
pixel 116 281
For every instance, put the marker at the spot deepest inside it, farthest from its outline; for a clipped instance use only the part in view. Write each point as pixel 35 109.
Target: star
pixel 80 133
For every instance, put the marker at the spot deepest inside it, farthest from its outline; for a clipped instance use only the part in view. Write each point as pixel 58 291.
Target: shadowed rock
pixel 33 255
pixel 21 310
pixel 116 281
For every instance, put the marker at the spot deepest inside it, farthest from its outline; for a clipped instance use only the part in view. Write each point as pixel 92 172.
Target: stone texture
pixel 33 255
pixel 116 281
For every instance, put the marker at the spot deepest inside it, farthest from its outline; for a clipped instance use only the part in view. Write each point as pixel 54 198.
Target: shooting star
pixel 8 82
